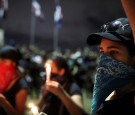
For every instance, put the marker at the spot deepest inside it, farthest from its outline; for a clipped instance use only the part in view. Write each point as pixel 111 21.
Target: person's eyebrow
pixel 110 47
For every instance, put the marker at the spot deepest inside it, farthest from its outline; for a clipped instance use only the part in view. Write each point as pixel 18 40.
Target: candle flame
pixel 34 110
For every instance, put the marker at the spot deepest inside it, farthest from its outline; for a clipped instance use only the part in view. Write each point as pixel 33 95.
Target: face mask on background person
pixel 8 71
pixel 7 74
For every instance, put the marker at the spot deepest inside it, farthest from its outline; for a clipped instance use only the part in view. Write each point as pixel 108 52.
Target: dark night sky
pixel 81 17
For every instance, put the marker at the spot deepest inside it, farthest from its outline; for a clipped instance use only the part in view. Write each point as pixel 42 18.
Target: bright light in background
pixel 30 105
pixel 34 110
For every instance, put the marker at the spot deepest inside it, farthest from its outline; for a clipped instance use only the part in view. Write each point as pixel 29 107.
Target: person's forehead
pixel 4 60
pixel 109 44
pixel 106 41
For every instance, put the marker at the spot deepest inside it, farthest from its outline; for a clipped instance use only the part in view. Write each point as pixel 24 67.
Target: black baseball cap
pixel 117 30
pixel 10 52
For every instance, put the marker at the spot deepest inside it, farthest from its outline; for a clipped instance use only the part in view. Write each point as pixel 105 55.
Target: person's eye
pixel 113 53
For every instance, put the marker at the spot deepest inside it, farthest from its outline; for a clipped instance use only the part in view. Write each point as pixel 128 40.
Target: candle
pixel 34 110
pixel 48 71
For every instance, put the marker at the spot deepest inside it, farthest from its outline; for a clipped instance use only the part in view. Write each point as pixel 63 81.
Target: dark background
pixel 80 18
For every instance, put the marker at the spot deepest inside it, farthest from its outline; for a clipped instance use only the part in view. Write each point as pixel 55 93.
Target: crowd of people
pixel 106 69
pixel 70 72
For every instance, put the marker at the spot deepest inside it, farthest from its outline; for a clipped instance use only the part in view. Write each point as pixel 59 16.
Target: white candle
pixel 48 71
pixel 34 110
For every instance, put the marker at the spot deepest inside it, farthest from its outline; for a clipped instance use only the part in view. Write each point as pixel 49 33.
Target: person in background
pixel 129 8
pixel 13 89
pixel 114 86
pixel 61 96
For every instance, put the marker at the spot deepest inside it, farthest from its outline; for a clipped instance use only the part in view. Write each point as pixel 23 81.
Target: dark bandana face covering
pixel 111 75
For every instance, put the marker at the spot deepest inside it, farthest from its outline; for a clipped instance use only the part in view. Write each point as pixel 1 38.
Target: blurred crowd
pixel 82 64
pixel 31 66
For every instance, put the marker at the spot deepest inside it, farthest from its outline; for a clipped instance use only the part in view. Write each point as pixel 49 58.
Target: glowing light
pixel 34 110
pixel 30 105
pixel 48 71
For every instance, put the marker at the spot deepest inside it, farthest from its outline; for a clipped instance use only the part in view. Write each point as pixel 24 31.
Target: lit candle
pixel 48 71
pixel 34 110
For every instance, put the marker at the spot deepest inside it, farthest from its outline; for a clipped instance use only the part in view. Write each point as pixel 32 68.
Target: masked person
pixel 61 96
pixel 13 89
pixel 114 87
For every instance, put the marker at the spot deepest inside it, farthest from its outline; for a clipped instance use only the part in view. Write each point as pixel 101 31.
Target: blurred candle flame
pixel 34 110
